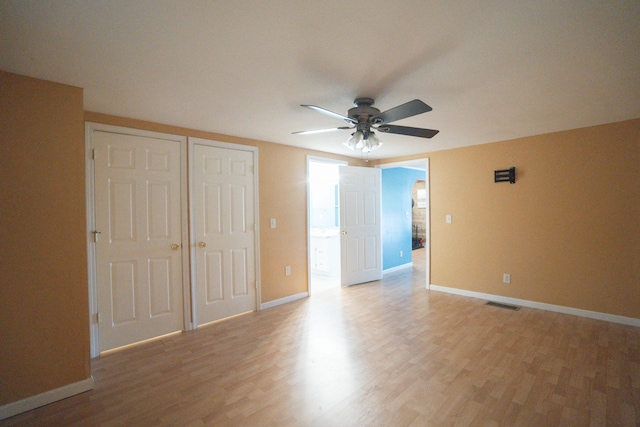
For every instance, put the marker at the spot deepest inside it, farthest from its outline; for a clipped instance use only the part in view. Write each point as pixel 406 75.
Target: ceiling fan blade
pixel 309 132
pixel 408 109
pixel 405 130
pixel 329 113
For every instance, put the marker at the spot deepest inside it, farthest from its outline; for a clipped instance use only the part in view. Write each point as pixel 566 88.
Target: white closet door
pixel 138 256
pixel 224 230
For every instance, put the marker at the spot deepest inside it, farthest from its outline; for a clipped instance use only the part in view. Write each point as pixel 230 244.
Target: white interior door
pixel 138 256
pixel 224 231
pixel 360 229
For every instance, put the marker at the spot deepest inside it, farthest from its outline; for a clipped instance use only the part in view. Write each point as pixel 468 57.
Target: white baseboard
pixel 284 300
pixel 399 267
pixel 24 405
pixel 631 321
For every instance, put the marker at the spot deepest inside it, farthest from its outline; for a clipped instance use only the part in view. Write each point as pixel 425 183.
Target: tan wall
pixel 44 315
pixel 568 231
pixel 282 186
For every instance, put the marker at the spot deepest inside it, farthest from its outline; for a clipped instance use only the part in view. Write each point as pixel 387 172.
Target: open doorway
pixel 406 215
pixel 323 223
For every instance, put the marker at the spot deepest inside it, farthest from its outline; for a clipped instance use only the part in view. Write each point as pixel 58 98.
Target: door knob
pixel 344 233
pixel 175 247
pixel 202 244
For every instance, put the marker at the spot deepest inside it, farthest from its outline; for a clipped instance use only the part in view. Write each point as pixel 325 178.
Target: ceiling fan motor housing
pixel 362 114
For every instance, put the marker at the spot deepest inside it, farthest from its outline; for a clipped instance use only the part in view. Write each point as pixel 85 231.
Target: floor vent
pixel 507 306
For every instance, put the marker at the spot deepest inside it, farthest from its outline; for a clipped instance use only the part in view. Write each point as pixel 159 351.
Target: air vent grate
pixel 507 306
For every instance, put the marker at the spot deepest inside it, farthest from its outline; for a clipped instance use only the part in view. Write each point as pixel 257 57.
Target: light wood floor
pixel 386 353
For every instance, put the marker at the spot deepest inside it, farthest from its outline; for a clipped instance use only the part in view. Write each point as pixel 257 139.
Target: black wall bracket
pixel 505 175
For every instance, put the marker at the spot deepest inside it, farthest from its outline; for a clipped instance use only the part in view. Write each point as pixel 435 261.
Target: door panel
pixel 137 204
pixel 370 252
pixel 239 262
pixel 160 294
pixel 369 209
pixel 237 209
pixel 350 208
pixel 361 244
pixel 212 221
pixel 122 283
pixel 122 221
pixel 213 279
pixel 352 254
pixel 157 212
pixel 224 223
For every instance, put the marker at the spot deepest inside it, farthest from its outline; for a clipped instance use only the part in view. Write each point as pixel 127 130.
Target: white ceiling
pixel 491 70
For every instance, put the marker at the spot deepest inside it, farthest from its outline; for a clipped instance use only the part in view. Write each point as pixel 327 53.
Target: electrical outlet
pixel 401 254
pixel 287 270
pixel 506 278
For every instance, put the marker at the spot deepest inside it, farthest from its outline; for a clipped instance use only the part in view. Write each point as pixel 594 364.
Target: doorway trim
pixel 315 159
pixel 90 128
pixel 423 162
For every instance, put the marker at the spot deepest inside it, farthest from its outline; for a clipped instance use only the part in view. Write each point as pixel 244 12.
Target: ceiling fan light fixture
pixel 371 143
pixel 355 141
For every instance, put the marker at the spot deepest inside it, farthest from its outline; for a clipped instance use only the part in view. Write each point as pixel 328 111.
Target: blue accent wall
pixel 397 184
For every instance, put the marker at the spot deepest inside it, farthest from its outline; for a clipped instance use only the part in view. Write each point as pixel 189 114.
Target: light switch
pixel 448 218
pixel 273 223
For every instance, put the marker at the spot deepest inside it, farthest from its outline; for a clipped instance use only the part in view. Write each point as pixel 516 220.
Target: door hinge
pixel 96 318
pixel 93 154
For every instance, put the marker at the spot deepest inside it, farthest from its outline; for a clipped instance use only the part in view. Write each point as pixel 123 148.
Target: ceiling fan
pixel 365 118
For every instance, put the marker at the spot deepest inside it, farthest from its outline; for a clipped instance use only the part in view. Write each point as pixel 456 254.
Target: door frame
pixel 90 128
pixel 315 159
pixel 192 142
pixel 422 162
